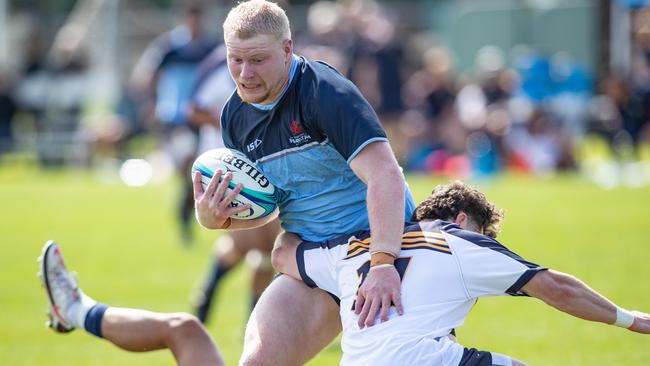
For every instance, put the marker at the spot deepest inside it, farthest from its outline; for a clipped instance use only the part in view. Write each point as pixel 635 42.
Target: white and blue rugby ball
pixel 258 192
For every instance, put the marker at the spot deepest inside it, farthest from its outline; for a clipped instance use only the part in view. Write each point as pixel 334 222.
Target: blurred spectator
pixel 329 37
pixel 166 73
pixel 619 115
pixel 113 133
pixel 53 89
pixel 7 111
pixel 376 66
pixel 535 146
pixel 430 122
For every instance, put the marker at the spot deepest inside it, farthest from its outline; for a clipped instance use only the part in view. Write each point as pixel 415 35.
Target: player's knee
pixel 261 354
pixel 251 359
pixel 283 252
pixel 183 327
pixel 278 258
pixel 255 354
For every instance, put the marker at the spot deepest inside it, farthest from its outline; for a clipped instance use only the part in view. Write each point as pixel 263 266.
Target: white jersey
pixel 444 270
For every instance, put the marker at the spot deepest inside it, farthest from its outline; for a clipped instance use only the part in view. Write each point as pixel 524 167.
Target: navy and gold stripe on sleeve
pixel 411 240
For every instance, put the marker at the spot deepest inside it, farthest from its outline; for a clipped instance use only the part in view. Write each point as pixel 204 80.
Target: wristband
pixel 624 318
pixel 385 265
pixel 379 258
pixel 385 252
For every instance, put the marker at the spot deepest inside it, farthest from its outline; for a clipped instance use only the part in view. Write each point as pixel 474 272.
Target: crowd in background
pixel 518 109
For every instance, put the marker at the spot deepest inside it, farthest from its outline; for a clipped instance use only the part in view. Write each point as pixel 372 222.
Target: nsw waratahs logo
pixel 299 135
pixel 296 128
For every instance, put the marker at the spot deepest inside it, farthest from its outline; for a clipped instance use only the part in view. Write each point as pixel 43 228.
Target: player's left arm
pixel 572 296
pixel 376 166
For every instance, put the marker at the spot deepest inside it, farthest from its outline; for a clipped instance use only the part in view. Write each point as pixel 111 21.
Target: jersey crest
pixel 298 134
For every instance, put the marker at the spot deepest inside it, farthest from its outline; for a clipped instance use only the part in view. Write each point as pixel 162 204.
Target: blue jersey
pixel 304 144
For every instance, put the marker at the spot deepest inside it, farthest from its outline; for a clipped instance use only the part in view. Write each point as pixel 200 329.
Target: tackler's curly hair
pixel 448 200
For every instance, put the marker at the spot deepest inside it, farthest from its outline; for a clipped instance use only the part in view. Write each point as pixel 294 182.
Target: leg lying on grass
pixel 130 329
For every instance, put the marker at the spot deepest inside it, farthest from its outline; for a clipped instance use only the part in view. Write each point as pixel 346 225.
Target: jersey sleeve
pixel 337 109
pixel 489 268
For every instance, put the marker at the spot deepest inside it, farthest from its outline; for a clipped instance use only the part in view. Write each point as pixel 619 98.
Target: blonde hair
pixel 255 17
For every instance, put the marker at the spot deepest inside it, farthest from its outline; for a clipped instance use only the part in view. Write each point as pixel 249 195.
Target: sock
pixel 93 322
pixel 217 272
pixel 77 312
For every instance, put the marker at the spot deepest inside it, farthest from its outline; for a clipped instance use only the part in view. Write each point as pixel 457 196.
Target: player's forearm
pixel 386 210
pixel 251 224
pixel 572 296
pixel 212 223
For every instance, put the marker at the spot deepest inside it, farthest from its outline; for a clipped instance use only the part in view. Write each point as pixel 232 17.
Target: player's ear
pixel 461 219
pixel 287 47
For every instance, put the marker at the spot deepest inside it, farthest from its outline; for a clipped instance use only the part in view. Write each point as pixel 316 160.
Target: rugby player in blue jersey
pixel 316 138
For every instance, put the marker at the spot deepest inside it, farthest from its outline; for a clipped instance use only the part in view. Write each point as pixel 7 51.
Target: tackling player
pixel 449 258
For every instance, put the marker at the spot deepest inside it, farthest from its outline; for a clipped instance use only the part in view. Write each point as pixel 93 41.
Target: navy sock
pixel 93 322
pixel 217 272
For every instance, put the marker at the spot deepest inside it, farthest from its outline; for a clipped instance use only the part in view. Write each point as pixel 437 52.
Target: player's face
pixel 259 66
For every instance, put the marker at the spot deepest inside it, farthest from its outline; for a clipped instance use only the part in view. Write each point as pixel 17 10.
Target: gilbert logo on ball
pixel 257 190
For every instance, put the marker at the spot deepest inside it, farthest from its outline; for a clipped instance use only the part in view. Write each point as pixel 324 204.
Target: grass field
pixel 123 242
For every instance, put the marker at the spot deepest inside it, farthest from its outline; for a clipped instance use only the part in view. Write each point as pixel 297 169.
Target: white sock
pixel 77 312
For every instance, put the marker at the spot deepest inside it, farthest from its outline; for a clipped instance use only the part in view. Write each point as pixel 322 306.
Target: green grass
pixel 123 242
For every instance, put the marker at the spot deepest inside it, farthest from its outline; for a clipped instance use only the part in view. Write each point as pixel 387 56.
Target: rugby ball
pixel 257 190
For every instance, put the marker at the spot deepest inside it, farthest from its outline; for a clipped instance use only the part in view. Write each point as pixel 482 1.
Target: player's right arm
pixel 572 296
pixel 213 207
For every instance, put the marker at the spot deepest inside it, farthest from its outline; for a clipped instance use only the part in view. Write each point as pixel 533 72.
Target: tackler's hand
pixel 378 292
pixel 641 322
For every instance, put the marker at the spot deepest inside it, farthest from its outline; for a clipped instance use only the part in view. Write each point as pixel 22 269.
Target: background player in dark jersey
pixel 315 137
pixel 167 72
pixel 449 258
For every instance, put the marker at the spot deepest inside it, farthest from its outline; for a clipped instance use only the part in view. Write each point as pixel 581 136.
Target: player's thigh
pixel 260 238
pixel 290 324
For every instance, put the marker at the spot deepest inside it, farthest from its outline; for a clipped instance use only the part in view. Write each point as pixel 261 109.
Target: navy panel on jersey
pixel 484 241
pixel 350 121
